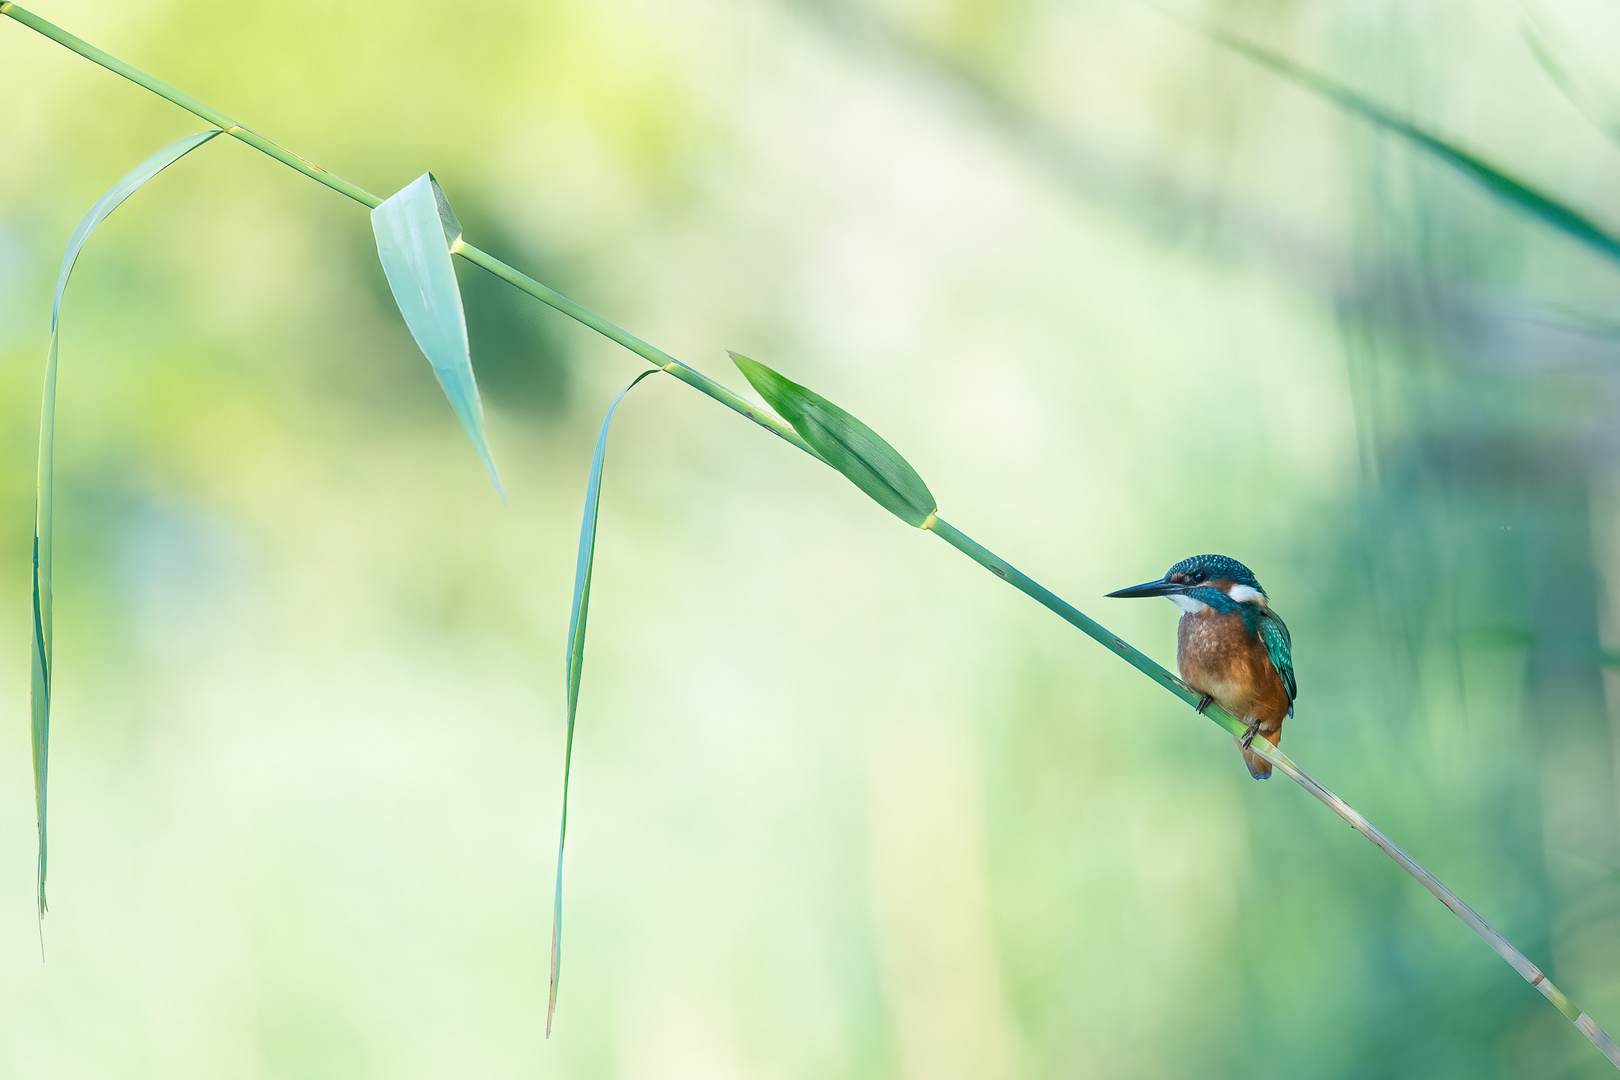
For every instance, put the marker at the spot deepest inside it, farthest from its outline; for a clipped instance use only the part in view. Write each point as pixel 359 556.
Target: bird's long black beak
pixel 1161 587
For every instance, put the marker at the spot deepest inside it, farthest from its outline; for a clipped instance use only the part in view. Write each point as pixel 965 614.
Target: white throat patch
pixel 1187 603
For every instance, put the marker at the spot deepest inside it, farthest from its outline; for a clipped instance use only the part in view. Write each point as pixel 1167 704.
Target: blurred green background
pixel 844 804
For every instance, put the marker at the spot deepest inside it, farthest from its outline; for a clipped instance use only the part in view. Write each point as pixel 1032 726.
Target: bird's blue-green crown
pixel 1202 568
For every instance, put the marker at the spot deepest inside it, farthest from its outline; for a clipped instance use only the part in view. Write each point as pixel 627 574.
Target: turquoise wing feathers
pixel 1280 649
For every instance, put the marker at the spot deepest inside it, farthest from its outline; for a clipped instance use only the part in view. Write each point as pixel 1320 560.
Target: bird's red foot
pixel 1249 734
pixel 1203 703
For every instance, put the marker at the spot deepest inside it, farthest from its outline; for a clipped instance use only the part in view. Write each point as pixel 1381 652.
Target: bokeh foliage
pixel 842 806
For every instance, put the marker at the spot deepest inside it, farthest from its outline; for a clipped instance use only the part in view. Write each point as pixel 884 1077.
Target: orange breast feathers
pixel 1217 657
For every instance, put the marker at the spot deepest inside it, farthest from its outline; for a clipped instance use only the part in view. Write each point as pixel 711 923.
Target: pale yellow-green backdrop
pixel 844 805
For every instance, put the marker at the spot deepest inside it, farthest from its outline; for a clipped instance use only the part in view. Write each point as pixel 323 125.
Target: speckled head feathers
pixel 1202 568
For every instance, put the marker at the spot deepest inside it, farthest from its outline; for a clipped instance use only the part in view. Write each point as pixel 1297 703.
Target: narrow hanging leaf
pixel 849 446
pixel 43 500
pixel 1504 186
pixel 416 231
pixel 576 666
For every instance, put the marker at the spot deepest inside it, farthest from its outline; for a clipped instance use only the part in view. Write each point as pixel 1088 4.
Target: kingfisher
pixel 1230 647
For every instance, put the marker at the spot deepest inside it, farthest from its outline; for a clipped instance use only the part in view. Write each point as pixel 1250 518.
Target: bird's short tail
pixel 1259 767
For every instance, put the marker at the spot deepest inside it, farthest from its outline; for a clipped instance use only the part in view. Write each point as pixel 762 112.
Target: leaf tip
pixel 551 1003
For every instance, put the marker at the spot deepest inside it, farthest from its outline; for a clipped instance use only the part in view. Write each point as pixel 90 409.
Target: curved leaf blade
pixel 576 665
pixel 416 230
pixel 44 494
pixel 848 445
pixel 1499 183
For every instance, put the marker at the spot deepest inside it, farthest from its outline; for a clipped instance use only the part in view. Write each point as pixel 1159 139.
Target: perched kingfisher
pixel 1231 647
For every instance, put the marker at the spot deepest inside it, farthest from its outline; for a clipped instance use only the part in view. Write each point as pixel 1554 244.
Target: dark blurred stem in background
pixel 1452 447
pixel 1216 221
pixel 1481 422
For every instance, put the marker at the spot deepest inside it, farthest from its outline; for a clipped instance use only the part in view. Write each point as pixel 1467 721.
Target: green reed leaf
pixel 848 445
pixel 1498 182
pixel 967 546
pixel 43 656
pixel 576 665
pixel 416 232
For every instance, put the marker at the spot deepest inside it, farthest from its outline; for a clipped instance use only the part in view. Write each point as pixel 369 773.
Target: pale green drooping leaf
pixel 576 665
pixel 416 231
pixel 849 446
pixel 1510 189
pixel 42 629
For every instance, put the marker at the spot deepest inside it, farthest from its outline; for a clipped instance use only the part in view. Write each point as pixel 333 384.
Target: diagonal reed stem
pixel 474 255
pixel 1070 614
pixel 950 534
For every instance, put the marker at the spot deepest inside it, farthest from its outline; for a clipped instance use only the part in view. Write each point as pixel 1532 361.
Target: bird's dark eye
pixel 1198 575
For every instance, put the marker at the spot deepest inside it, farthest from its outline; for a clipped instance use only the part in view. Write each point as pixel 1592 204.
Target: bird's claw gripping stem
pixel 1249 733
pixel 1203 703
